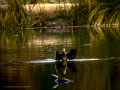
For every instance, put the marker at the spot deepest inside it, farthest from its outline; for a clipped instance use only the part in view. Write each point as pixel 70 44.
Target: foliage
pixel 105 13
pixel 77 14
pixel 14 15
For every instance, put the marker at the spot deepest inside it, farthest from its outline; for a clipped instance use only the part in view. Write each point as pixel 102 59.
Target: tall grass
pixel 14 15
pixel 77 14
pixel 107 13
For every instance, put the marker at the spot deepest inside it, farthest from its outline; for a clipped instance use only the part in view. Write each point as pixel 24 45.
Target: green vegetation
pixel 106 13
pixel 15 15
pixel 76 15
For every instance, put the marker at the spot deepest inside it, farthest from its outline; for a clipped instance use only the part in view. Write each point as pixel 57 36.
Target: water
pixel 27 59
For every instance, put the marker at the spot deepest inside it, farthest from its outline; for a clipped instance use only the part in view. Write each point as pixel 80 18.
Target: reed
pixel 13 15
pixel 77 14
pixel 106 13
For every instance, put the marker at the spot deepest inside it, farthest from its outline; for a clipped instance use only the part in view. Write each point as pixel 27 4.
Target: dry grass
pixel 40 15
pixel 47 7
pixel 50 8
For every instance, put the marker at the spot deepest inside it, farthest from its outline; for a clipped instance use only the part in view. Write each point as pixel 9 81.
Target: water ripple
pixel 52 60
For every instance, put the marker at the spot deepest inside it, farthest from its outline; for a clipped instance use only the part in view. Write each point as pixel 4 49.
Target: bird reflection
pixel 66 65
pixel 72 66
pixel 62 64
pixel 64 56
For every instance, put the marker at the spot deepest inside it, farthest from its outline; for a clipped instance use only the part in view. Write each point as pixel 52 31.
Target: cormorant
pixel 61 80
pixel 65 56
pixel 60 56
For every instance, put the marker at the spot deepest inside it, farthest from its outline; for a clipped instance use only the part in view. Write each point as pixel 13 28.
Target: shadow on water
pixel 27 59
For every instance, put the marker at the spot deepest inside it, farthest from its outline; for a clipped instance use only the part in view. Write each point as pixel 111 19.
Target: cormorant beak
pixel 55 75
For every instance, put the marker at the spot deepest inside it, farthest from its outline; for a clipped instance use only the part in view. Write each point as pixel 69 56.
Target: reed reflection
pixel 100 32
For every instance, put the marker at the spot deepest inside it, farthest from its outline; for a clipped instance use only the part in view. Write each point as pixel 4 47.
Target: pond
pixel 27 59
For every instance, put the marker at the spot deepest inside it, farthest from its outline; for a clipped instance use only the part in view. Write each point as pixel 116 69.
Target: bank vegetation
pixel 20 14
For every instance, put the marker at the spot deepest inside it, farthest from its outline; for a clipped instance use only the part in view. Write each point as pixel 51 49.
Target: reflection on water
pixel 27 59
pixel 89 74
pixel 65 65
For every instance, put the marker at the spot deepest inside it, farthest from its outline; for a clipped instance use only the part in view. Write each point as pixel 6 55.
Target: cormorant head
pixel 64 50
pixel 58 76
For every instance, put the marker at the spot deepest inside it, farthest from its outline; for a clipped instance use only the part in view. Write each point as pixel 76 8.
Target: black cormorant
pixel 60 56
pixel 61 80
pixel 65 56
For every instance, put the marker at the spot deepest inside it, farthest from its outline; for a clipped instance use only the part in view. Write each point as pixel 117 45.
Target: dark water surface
pixel 27 59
